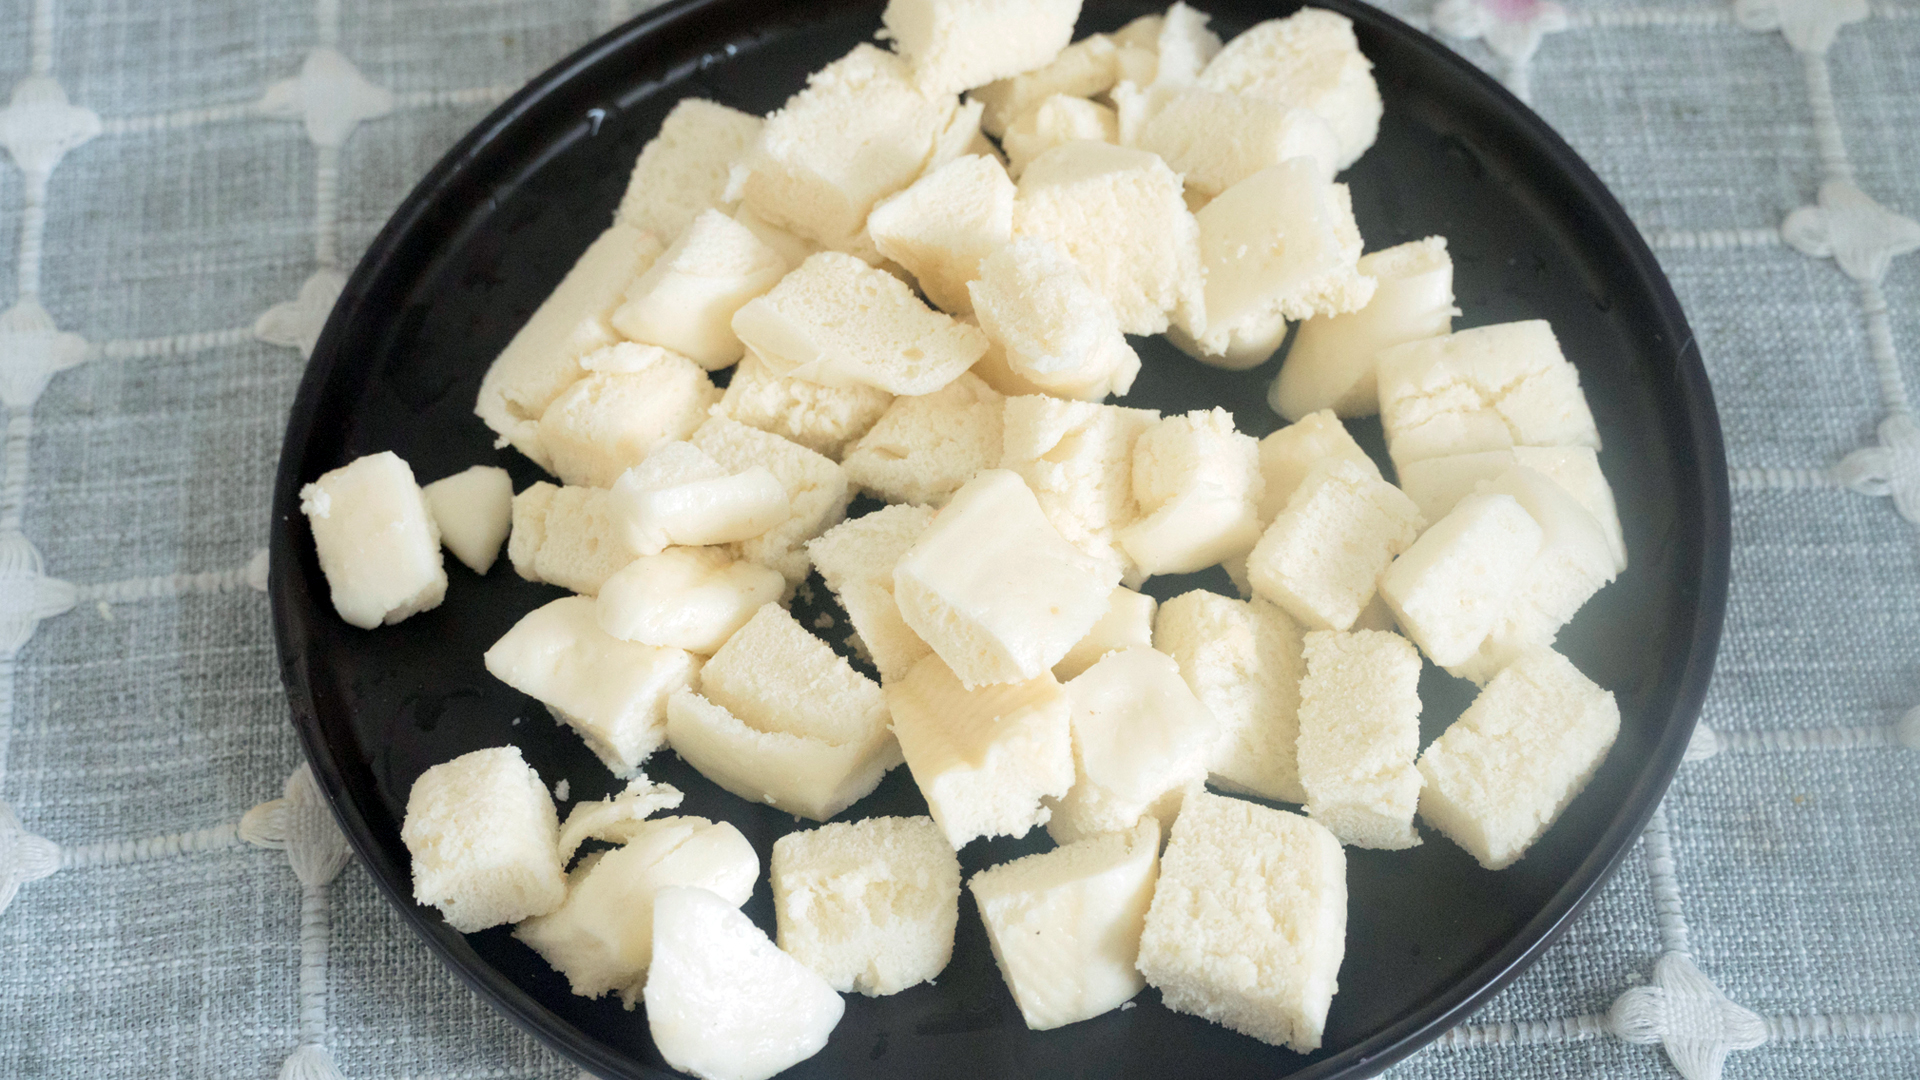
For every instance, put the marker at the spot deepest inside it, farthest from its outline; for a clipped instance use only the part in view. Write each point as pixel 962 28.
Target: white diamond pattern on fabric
pixel 24 857
pixel 1687 1016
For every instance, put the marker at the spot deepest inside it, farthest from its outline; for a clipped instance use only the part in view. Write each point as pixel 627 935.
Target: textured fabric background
pixel 157 280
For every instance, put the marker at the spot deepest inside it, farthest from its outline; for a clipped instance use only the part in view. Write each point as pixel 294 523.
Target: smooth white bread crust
pixel 1437 484
pixel 1077 458
pixel 1359 734
pixel 681 495
pixel 691 598
pixel 957 45
pixel 1249 920
pixel 925 447
pixel 1198 484
pixel 686 299
pixel 1217 140
pixel 567 536
pixel 1288 455
pixel 683 170
pixel 940 228
pixel 1127 623
pixel 1310 60
pixel 870 905
pixel 1059 119
pixel 474 512
pixel 1242 659
pixel 1053 332
pixel 1082 69
pixel 377 539
pixel 484 840
pixel 631 399
pixel 817 490
pixel 856 559
pixel 1322 556
pixel 1500 776
pixel 824 419
pixel 1450 588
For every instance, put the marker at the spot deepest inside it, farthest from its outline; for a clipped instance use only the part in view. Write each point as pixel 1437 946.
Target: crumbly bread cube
pixel 612 692
pixel 1499 776
pixel 1311 60
pixel 620 819
pixel 473 511
pixel 790 247
pixel 1082 69
pixel 1281 242
pixel 543 359
pixel 686 300
pixel 859 132
pixel 483 834
pixel 994 589
pixel 1141 33
pixel 1140 745
pixel 984 759
pixel 632 399
pixel 1330 364
pixel 1242 659
pixel 683 170
pixel 1573 563
pixel 1249 920
pixel 1127 623
pixel 1449 589
pixel 1288 455
pixel 1323 554
pixel 1065 924
pixel 1055 332
pixel 856 559
pixel 1248 345
pixel 1359 734
pixel 957 45
pixel 817 490
pixel 839 322
pixel 691 598
pixel 722 1002
pixel 960 138
pixel 940 228
pixel 378 542
pixel 1489 388
pixel 1058 119
pixel 1183 47
pixel 601 939
pixel 1118 212
pixel 824 419
pixel 869 905
pixel 1436 484
pixel 925 447
pixel 1198 484
pixel 681 495
pixel 567 536
pixel 1217 140
pixel 1077 458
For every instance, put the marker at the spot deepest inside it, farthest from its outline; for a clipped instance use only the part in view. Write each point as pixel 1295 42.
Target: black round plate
pixel 489 232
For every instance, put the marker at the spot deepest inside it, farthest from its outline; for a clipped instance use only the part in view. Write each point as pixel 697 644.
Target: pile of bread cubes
pixel 914 311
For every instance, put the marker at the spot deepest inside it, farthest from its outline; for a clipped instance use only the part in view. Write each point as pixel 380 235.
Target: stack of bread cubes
pixel 926 298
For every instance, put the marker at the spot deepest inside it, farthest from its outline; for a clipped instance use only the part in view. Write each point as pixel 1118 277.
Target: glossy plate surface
pixel 497 223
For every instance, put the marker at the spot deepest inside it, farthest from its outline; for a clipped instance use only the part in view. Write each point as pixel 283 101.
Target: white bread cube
pixel 1330 364
pixel 686 300
pixel 1082 69
pixel 474 511
pixel 1140 745
pixel 683 170
pixel 791 247
pixel 619 819
pixel 1288 455
pixel 1437 484
pixel 601 939
pixel 567 536
pixel 631 399
pixel 723 1003
pixel 856 559
pixel 1183 47
pixel 839 322
pixel 1055 332
pixel 612 692
pixel 1359 734
pixel 781 719
pixel 1309 59
pixel 1452 586
pixel 925 447
pixel 984 759
pixel 483 836
pixel 1282 242
pixel 1488 388
pixel 1248 345
pixel 1127 623
pixel 378 543
pixel 957 45
pixel 1198 484
pixel 824 419
pixel 543 359
pixel 994 589
pixel 1242 659
pixel 1499 776
pixel 940 228
pixel 960 138
pixel 1065 924
pixel 1217 140
pixel 859 132
pixel 869 905
pixel 817 490
pixel 691 598
pixel 1249 920
pixel 1117 212
pixel 1056 120
pixel 681 495
pixel 1077 458
pixel 1323 554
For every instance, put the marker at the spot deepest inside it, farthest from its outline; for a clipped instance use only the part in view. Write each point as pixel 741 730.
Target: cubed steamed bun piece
pixel 940 228
pixel 474 510
pixel 1452 586
pixel 683 170
pixel 824 419
pixel 681 495
pixel 1288 455
pixel 686 300
pixel 925 447
pixel 484 839
pixel 1437 484
pixel 1056 333
pixel 1242 659
pixel 691 598
pixel 1081 70
pixel 567 536
pixel 1198 484
pixel 817 490
pixel 1359 734
pixel 378 542
pixel 1127 623
pixel 1323 553
pixel 1310 60
pixel 1077 458
pixel 1059 119
pixel 1217 140
pixel 631 399
pixel 856 559
pixel 957 45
